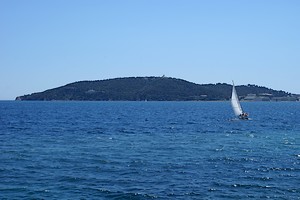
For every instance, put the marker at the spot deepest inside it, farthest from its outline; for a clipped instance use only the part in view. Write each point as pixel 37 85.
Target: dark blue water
pixel 148 150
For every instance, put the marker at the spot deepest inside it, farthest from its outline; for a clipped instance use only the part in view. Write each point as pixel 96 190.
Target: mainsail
pixel 235 103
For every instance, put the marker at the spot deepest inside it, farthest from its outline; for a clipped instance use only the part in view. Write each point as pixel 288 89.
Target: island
pixel 155 89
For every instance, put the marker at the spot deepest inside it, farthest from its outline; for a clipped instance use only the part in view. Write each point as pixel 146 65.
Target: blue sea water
pixel 149 150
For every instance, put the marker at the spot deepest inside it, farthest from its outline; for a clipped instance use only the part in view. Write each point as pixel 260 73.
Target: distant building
pixel 260 97
pixel 250 97
pixel 289 98
pixel 265 95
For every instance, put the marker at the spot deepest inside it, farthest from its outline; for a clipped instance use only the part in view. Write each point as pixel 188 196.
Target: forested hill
pixel 147 88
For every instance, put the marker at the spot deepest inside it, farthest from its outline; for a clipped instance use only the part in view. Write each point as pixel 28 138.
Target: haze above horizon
pixel 50 43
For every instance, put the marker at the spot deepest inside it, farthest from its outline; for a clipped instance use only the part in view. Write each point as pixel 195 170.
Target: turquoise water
pixel 148 150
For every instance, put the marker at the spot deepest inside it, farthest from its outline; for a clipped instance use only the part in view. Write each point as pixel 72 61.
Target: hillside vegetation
pixel 146 88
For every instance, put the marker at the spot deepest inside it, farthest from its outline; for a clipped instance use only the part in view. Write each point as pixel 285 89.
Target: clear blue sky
pixel 49 43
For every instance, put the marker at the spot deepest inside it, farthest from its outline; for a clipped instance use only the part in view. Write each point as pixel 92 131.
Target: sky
pixel 50 43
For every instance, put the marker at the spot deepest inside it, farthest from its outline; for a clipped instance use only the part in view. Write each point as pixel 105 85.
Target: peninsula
pixel 154 89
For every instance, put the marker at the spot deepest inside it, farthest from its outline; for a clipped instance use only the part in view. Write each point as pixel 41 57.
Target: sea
pixel 148 150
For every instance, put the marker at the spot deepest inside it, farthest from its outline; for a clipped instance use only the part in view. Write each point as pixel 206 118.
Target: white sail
pixel 235 103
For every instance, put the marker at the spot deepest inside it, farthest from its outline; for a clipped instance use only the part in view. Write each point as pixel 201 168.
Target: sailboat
pixel 236 106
